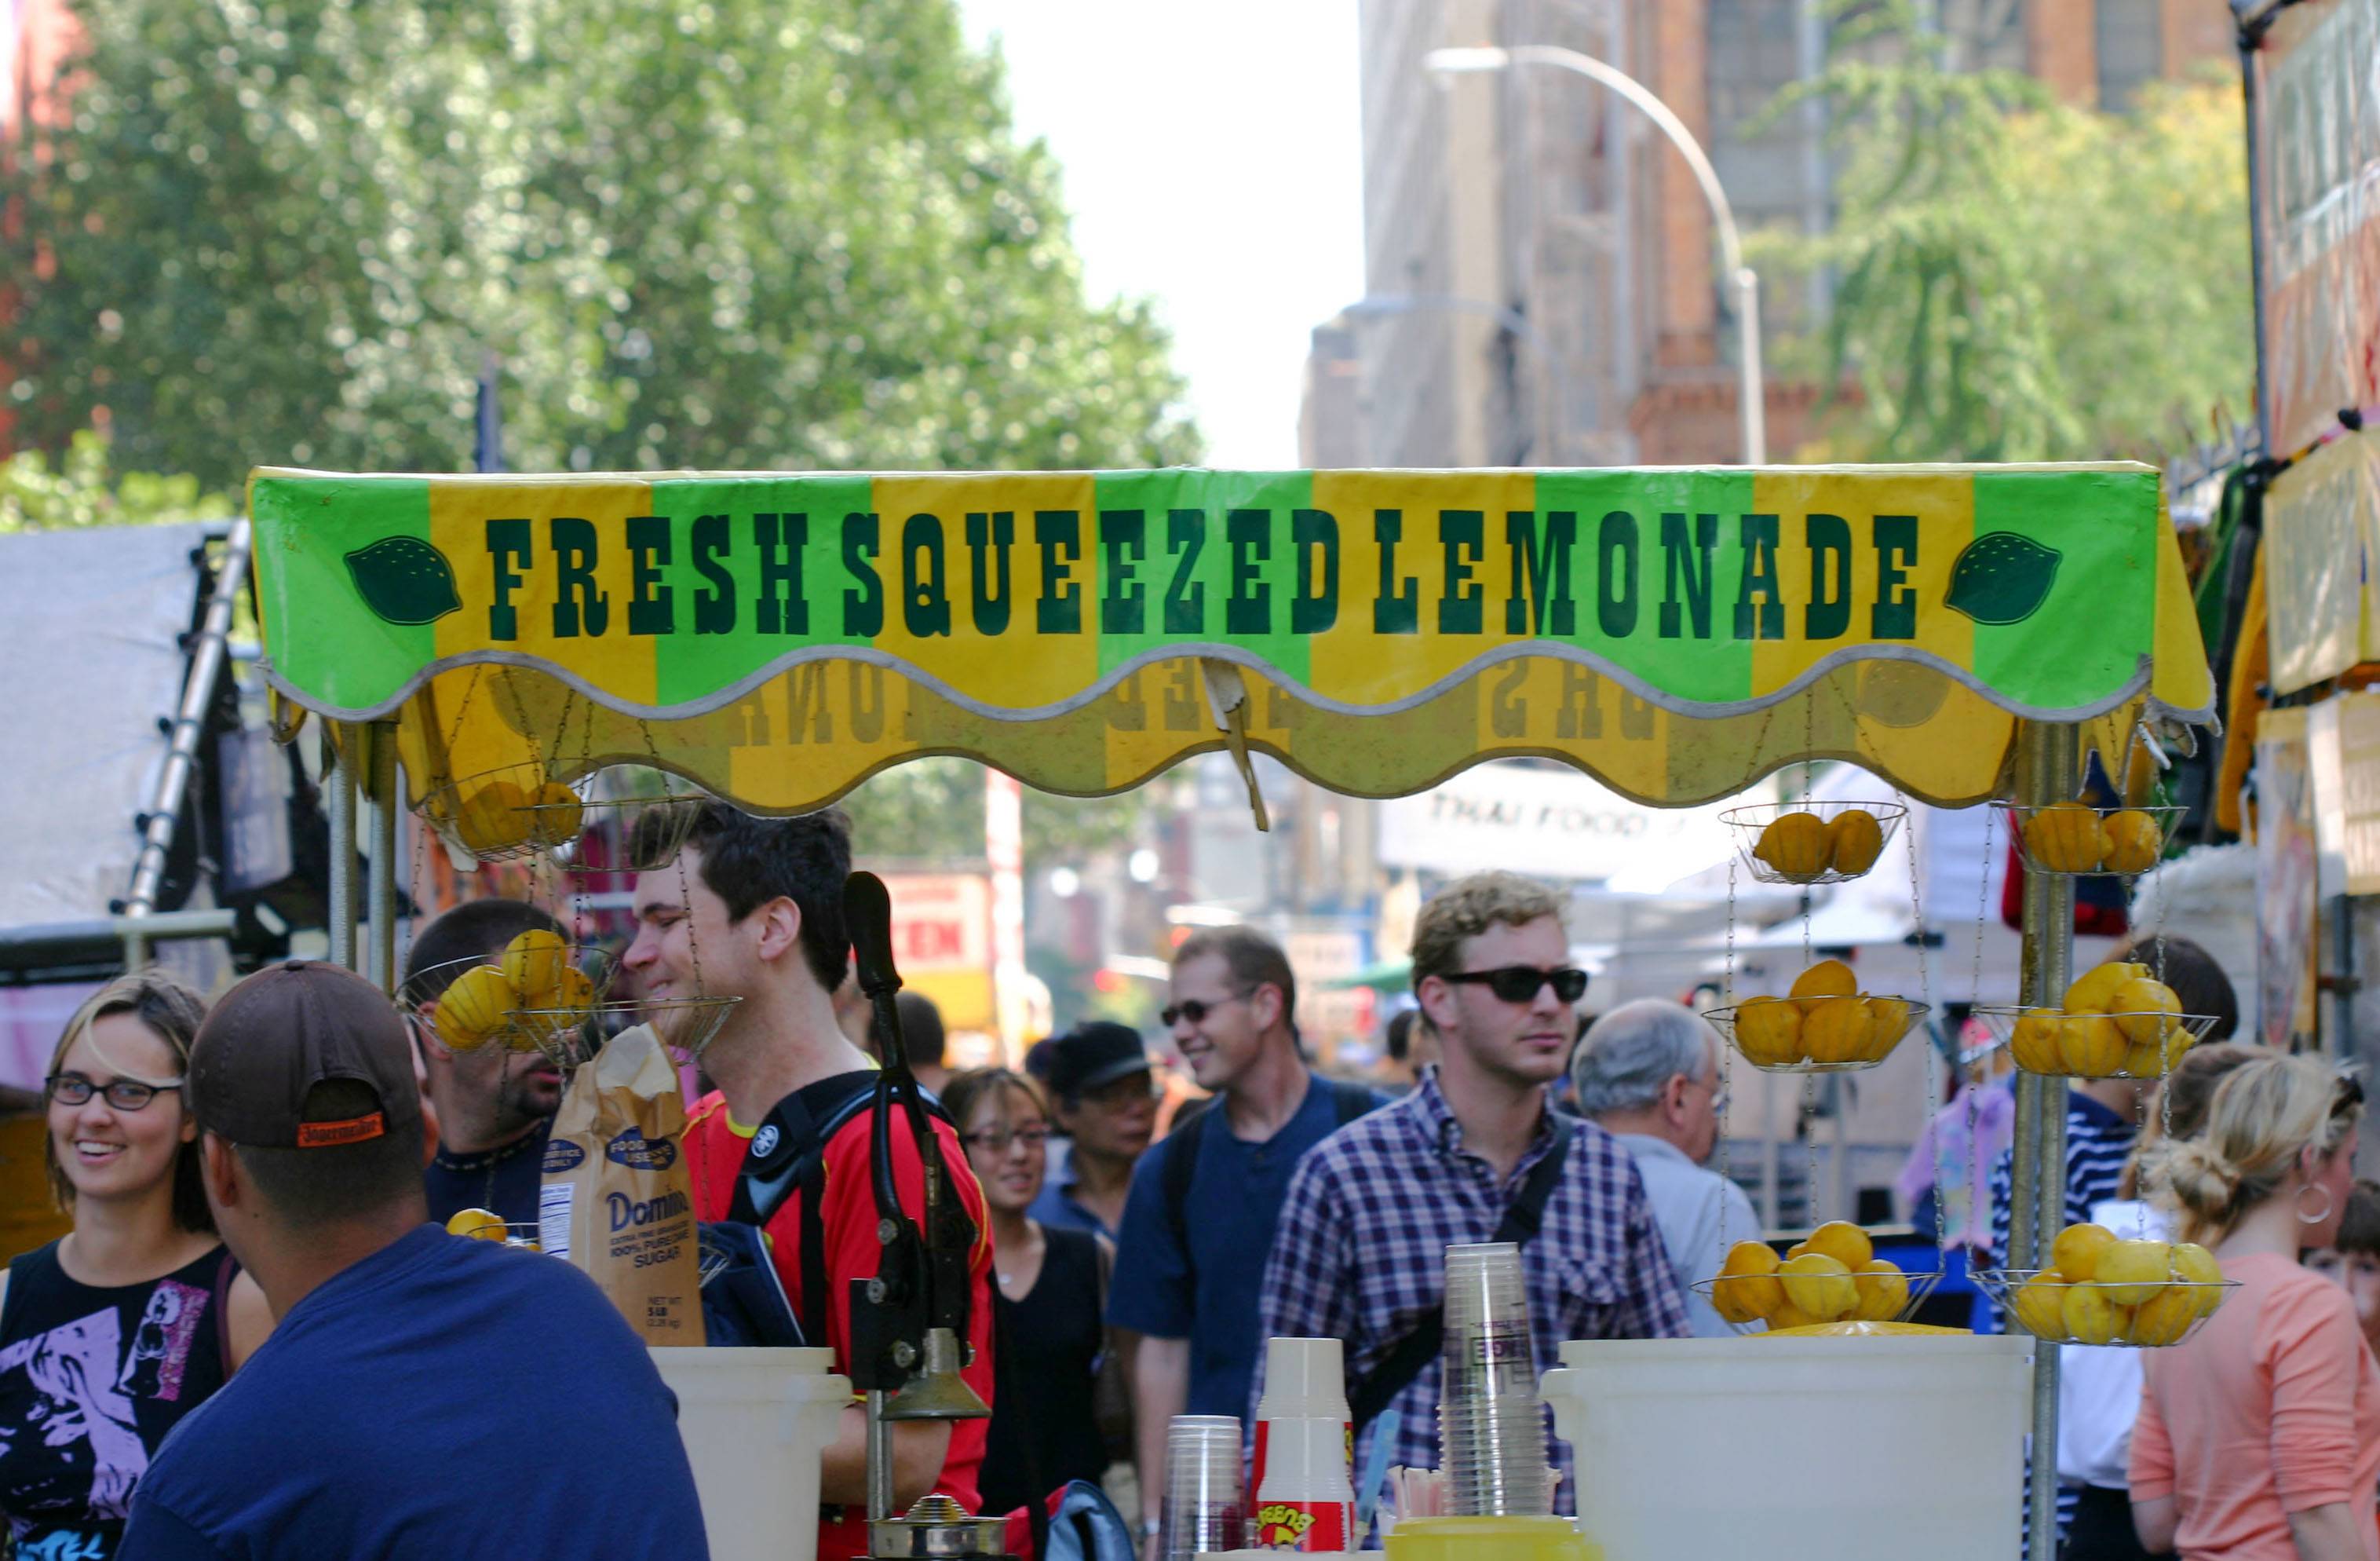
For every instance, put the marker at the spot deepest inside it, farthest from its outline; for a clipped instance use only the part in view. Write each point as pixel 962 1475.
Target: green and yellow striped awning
pixel 778 637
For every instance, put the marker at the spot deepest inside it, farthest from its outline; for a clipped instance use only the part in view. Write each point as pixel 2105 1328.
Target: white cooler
pixel 1798 1449
pixel 755 1422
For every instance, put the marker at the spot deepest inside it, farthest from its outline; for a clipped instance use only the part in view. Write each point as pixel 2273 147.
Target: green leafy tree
pixel 932 810
pixel 739 234
pixel 37 494
pixel 2014 279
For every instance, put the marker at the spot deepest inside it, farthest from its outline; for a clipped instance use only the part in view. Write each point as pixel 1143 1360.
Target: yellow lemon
pixel 2163 1318
pixel 2040 1306
pixel 2075 1251
pixel 2195 1266
pixel 1828 978
pixel 1819 1285
pixel 1748 1288
pixel 1787 1315
pixel 1883 1291
pixel 2134 842
pixel 1835 1029
pixel 1888 1021
pixel 2092 1317
pixel 491 819
pixel 2145 1009
pixel 2155 1060
pixel 1769 1030
pixel 2065 838
pixel 2095 990
pixel 476 1007
pixel 1796 844
pixel 533 962
pixel 2090 1046
pixel 1844 1242
pixel 1855 840
pixel 557 814
pixel 2035 1039
pixel 2133 1271
pixel 479 1225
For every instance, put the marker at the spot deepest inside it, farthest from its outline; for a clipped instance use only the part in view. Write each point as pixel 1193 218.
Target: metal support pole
pixel 381 897
pixel 2048 765
pixel 339 783
pixel 880 1458
pixel 2343 978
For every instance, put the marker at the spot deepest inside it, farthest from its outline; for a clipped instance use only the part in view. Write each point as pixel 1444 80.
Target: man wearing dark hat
pixel 408 1369
pixel 1103 1097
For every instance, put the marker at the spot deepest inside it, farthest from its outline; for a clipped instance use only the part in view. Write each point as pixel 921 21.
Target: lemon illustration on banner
pixel 405 580
pixel 2002 578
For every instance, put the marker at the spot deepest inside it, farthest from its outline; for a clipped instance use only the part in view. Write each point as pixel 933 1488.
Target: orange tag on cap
pixel 324 1135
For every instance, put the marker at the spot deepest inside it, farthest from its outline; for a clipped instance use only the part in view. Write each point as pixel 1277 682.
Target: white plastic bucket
pixel 756 1423
pixel 1798 1449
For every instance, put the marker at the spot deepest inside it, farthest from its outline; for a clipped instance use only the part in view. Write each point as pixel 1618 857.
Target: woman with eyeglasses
pixel 2259 1436
pixel 111 1335
pixel 1050 1419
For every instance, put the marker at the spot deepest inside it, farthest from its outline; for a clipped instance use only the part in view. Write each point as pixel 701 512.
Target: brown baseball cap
pixel 287 1029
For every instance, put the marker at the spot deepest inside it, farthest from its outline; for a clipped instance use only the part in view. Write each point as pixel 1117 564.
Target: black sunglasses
pixel 1194 1010
pixel 2350 1094
pixel 123 1094
pixel 1519 984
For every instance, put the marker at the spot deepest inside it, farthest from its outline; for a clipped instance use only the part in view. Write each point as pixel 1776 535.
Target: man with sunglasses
pixel 1649 1074
pixel 1204 1199
pixel 1475 1153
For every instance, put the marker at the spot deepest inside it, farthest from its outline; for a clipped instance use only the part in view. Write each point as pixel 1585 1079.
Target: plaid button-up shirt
pixel 1360 1253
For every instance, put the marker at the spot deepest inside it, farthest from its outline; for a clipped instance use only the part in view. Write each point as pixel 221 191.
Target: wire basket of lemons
pixel 2117 1021
pixel 486 1225
pixel 1824 1025
pixel 1813 842
pixel 539 993
pixel 1832 1276
pixel 2103 1289
pixel 592 824
pixel 2082 841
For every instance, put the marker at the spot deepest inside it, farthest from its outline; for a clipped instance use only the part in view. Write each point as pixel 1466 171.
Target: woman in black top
pixel 113 1334
pixel 1051 1346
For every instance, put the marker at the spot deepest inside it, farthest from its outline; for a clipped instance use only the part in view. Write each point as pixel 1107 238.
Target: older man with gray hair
pixel 1647 1074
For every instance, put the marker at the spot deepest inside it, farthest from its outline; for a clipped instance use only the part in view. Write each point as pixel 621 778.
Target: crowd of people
pixel 214 1362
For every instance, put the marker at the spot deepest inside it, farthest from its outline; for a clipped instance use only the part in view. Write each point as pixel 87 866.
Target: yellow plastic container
pixel 1490 1539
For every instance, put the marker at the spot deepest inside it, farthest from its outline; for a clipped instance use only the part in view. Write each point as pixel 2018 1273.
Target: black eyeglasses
pixel 1194 1010
pixel 997 1139
pixel 1519 984
pixel 123 1094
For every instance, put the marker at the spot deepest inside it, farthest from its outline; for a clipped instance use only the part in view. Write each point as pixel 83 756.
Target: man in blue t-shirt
pixel 409 1370
pixel 1190 1257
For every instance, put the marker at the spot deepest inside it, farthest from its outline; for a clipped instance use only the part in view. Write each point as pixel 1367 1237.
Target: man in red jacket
pixel 752 908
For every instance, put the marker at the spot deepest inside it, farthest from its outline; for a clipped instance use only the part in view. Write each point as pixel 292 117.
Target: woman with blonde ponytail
pixel 2259 1436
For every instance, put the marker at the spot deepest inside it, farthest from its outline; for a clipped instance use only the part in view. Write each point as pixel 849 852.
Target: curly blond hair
pixel 1468 907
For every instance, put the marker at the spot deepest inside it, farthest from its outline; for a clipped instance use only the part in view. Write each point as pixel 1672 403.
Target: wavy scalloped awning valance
pixel 779 637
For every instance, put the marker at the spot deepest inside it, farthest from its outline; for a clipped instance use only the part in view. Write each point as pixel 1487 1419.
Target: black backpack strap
pixel 1181 1164
pixel 1349 1101
pixel 1412 1354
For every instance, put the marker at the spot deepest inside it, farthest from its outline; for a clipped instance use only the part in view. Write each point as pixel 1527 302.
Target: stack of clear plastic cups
pixel 1491 1423
pixel 1202 1509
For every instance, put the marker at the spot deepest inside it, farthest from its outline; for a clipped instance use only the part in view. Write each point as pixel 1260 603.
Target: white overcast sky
pixel 1213 164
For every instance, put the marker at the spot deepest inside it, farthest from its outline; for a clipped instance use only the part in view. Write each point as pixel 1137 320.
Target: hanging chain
pixel 1727 1061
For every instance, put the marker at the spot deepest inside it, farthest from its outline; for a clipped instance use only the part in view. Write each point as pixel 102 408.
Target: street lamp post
pixel 1742 282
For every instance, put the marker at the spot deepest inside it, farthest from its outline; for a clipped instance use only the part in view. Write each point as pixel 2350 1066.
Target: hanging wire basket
pixel 1807 843
pixel 1818 1034
pixel 2077 840
pixel 2130 1046
pixel 2134 1316
pixel 596 823
pixel 1893 1297
pixel 466 1010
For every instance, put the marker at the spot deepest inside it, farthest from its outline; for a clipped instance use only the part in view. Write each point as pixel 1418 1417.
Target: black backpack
pixel 787 1156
